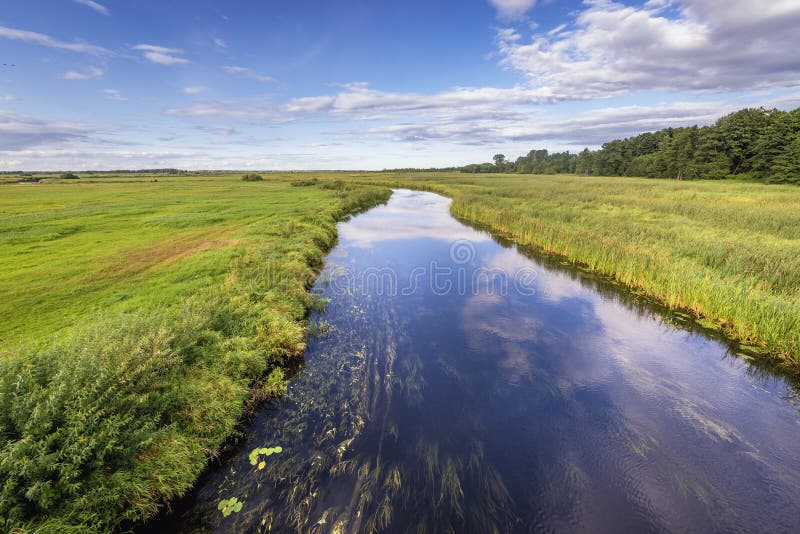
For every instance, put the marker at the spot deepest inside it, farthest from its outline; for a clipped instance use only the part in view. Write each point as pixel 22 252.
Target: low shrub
pixel 305 183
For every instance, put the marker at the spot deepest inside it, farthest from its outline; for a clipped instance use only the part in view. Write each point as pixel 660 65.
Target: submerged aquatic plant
pixel 229 506
pixel 319 328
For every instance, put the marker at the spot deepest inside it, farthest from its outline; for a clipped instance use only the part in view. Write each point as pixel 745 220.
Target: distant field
pixel 727 251
pixel 69 250
pixel 114 243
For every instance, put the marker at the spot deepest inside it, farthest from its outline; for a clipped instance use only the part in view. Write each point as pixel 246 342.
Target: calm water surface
pixel 455 385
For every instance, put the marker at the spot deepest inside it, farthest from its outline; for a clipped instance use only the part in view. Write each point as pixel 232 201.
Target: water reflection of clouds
pixel 652 400
pixel 628 336
pixel 669 398
pixel 550 285
pixel 676 388
pixel 489 326
pixel 402 219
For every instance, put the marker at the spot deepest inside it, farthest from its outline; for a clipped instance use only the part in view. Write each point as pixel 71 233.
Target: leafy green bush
pixel 305 183
pixel 69 176
pixel 336 185
pixel 252 178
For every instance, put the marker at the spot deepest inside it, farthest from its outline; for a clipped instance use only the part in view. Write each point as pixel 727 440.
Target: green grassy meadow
pixel 70 251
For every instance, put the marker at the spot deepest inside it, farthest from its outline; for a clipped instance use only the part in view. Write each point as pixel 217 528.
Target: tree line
pixel 751 143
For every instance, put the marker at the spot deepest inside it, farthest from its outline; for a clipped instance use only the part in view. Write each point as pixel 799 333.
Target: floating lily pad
pixel 262 451
pixel 229 506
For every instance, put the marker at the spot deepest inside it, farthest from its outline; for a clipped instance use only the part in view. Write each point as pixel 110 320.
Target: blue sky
pixel 372 84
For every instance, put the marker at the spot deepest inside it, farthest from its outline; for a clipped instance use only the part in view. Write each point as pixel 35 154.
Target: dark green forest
pixel 757 144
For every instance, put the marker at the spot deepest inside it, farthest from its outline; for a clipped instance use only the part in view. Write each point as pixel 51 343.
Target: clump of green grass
pixel 305 183
pixel 100 424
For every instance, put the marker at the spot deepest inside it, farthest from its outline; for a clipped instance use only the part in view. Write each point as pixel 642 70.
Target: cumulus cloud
pixel 700 45
pixel 247 73
pixel 89 73
pixel 218 130
pixel 360 101
pixel 19 132
pixel 591 128
pixel 162 55
pixel 50 42
pixel 197 157
pixel 466 116
pixel 113 94
pixel 96 158
pixel 732 48
pixel 511 9
pixel 103 10
pixel 247 110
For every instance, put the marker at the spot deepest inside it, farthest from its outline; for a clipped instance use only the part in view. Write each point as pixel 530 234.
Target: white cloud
pixel 361 102
pixel 50 42
pixel 590 128
pixel 464 116
pixel 220 42
pixel 218 130
pixel 18 132
pixel 357 101
pixel 511 9
pixel 557 29
pixel 103 10
pixel 113 94
pixel 606 49
pixel 162 55
pixel 247 73
pixel 89 73
pixel 7 98
pixel 200 157
pixel 699 45
pixel 249 110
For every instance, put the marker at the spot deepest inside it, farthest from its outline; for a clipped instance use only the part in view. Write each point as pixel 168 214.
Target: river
pixel 454 384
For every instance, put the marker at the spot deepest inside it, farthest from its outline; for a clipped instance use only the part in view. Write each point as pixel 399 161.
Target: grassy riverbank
pixel 138 319
pixel 726 251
